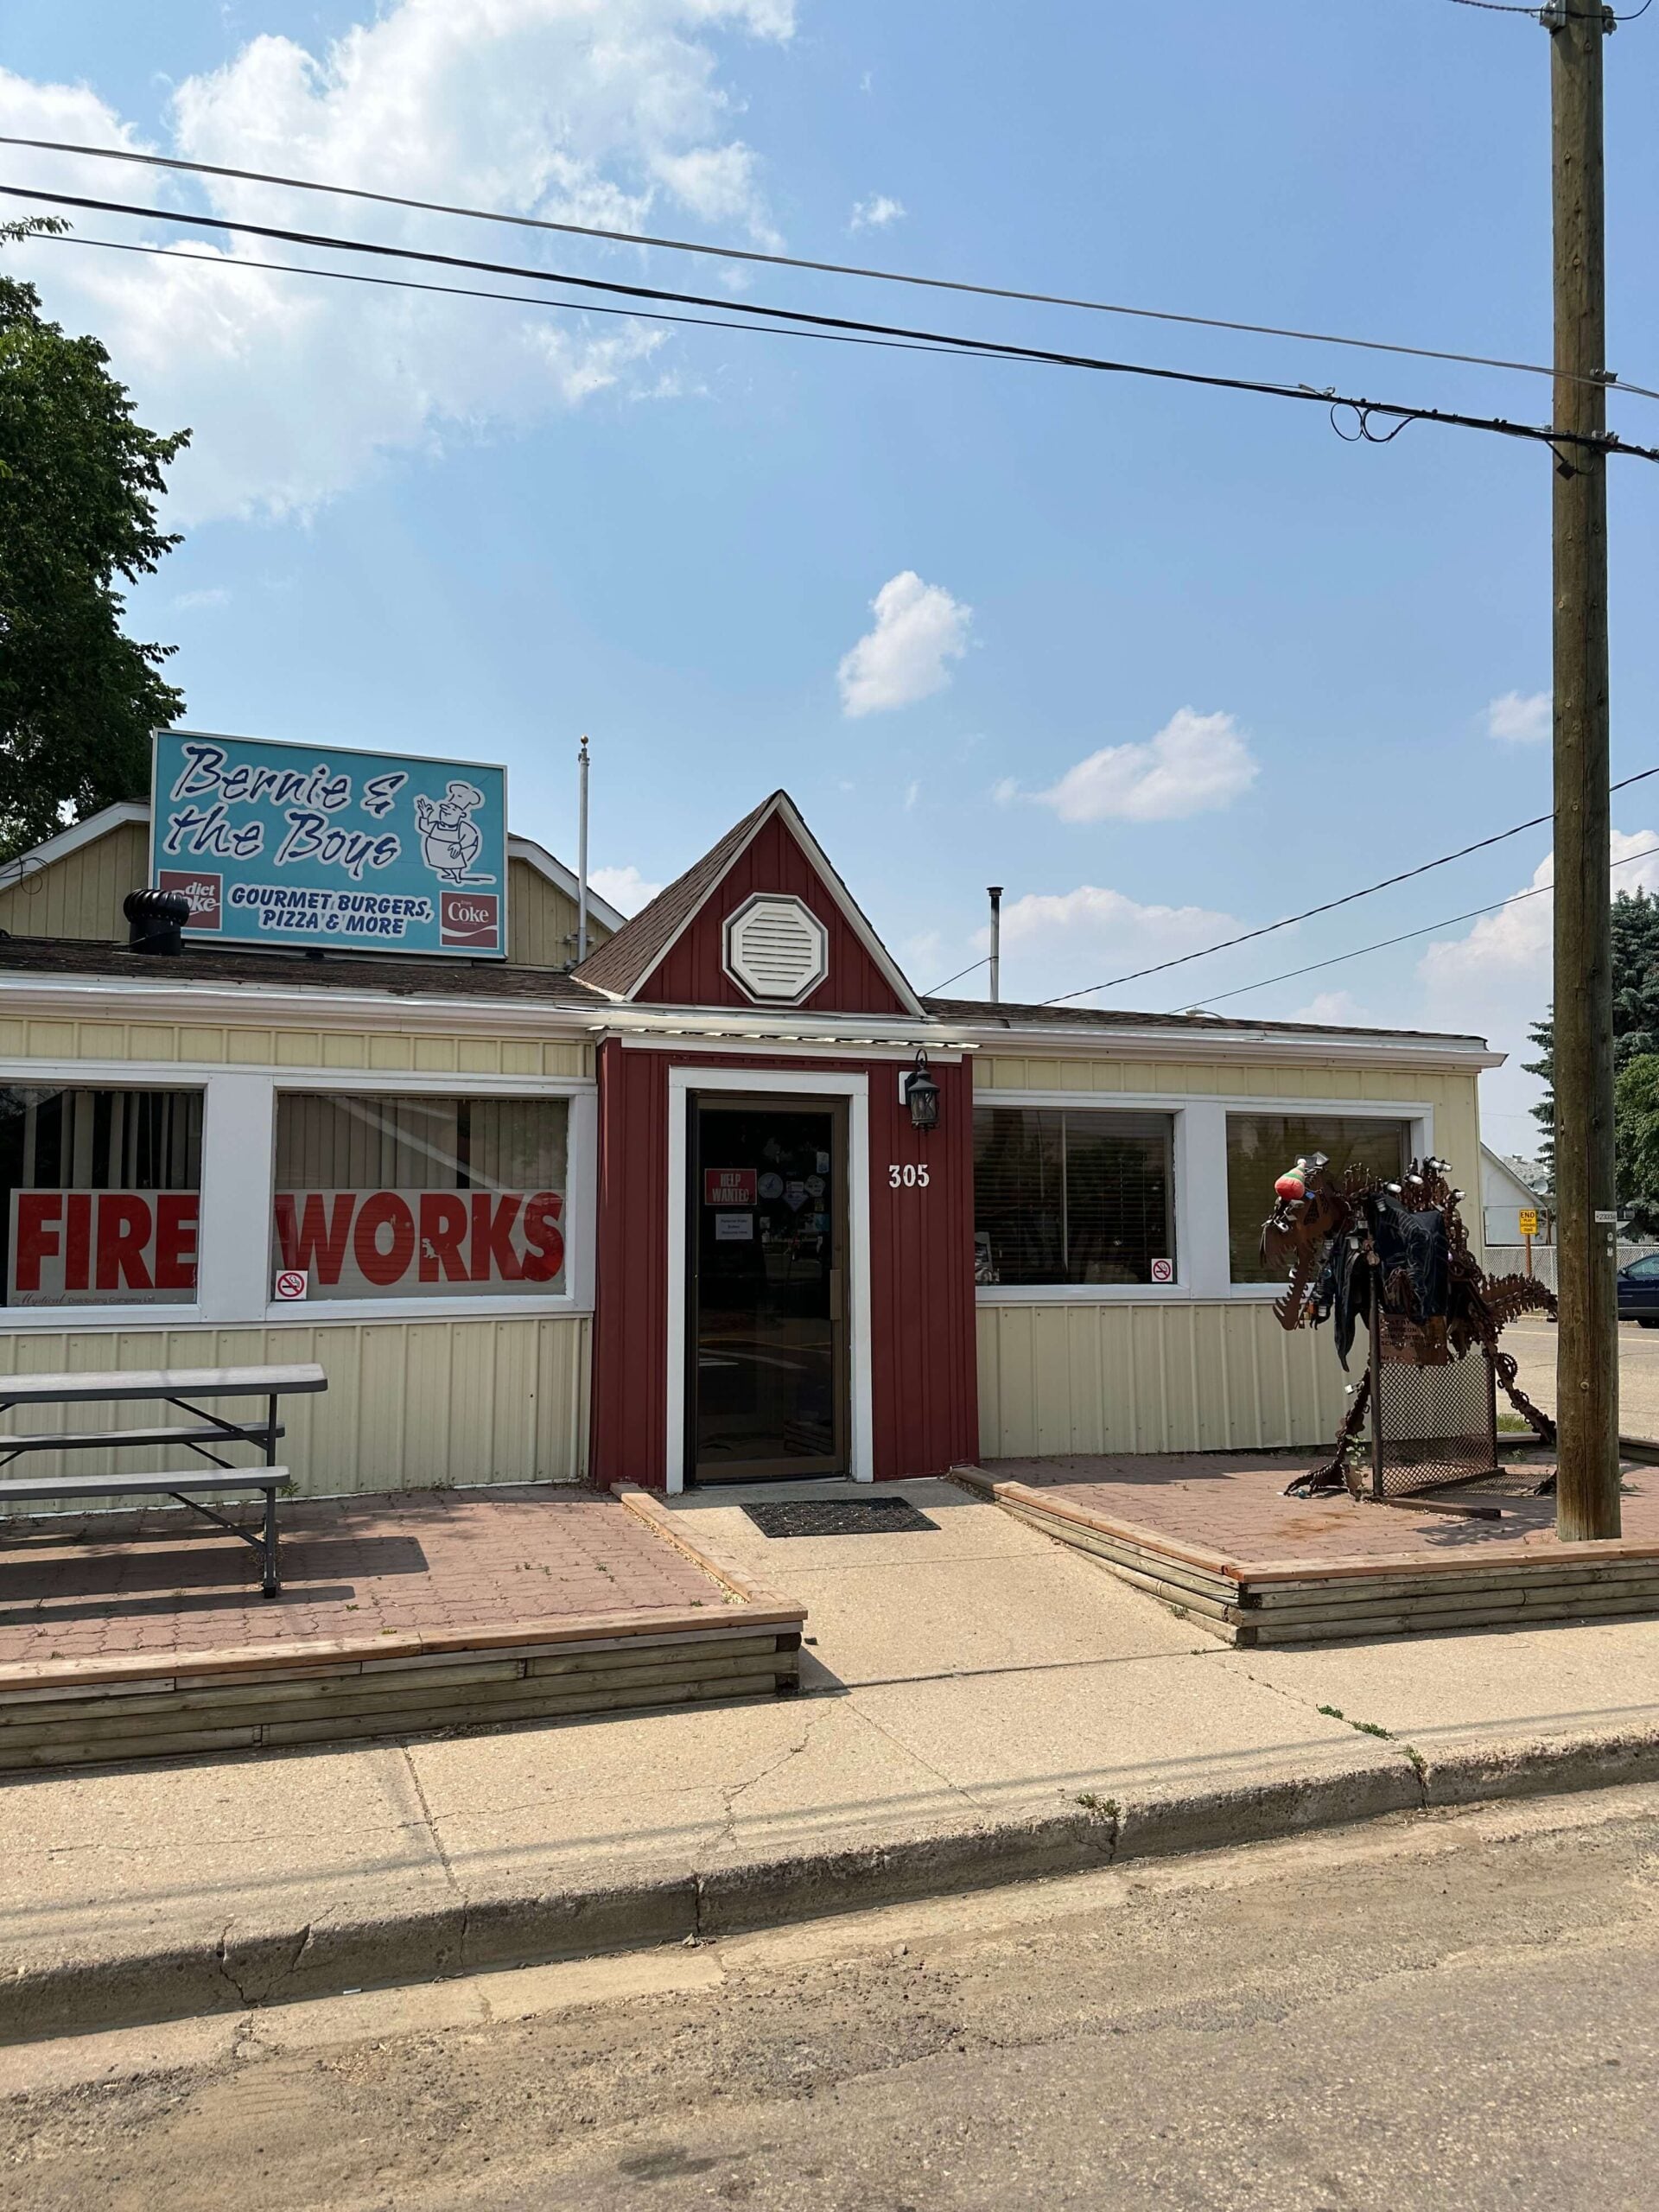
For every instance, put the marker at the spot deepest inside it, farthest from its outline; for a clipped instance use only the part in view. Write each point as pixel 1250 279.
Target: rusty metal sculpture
pixel 1333 1235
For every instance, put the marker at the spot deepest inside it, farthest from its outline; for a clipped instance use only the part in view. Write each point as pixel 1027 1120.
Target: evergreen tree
pixel 1636 1127
pixel 78 480
pixel 1636 1020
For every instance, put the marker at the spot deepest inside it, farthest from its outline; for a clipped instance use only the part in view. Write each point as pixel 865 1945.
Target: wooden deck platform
pixel 477 1609
pixel 1211 1534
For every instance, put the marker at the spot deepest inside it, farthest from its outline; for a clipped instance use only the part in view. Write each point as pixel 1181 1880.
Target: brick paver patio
pixel 99 1586
pixel 1232 1504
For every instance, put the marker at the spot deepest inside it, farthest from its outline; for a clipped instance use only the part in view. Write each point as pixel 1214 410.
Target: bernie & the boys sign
pixel 316 846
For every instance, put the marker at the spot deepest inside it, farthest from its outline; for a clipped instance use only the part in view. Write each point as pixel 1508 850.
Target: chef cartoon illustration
pixel 450 839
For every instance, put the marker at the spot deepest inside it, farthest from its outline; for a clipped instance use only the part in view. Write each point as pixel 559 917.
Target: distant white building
pixel 1503 1193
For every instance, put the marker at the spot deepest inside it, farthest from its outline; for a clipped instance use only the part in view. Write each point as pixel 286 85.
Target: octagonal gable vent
pixel 777 948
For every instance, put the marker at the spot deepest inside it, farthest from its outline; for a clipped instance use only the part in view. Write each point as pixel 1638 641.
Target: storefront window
pixel 1064 1196
pixel 102 1196
pixel 418 1198
pixel 1261 1147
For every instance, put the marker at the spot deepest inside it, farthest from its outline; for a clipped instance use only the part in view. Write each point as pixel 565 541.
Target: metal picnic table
pixel 184 1388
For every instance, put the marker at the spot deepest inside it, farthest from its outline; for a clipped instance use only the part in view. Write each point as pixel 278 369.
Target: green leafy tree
pixel 1636 1126
pixel 1636 1014
pixel 79 482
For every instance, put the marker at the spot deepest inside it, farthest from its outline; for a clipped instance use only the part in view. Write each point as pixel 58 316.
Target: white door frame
pixel 806 1083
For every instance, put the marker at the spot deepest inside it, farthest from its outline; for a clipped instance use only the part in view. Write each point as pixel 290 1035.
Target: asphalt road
pixel 1532 1342
pixel 1450 2011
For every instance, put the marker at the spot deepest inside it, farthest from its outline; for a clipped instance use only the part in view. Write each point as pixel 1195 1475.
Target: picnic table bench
pixel 183 1389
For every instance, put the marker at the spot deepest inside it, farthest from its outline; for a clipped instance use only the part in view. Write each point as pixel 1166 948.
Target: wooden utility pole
pixel 1587 1504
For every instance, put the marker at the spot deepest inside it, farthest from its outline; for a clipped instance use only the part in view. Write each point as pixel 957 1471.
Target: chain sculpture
pixel 1345 1241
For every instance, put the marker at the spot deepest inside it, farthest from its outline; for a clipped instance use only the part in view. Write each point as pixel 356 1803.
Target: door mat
pixel 838 1516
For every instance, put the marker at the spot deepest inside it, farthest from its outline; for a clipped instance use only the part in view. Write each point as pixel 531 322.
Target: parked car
pixel 1638 1291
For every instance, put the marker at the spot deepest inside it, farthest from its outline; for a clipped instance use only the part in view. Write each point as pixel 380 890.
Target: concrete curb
pixel 250 1966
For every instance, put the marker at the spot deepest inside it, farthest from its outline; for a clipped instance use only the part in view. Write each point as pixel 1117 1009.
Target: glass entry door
pixel 766 1374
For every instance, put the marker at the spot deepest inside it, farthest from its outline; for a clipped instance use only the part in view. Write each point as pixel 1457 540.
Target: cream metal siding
pixel 1183 1375
pixel 1188 1377
pixel 219 1044
pixel 412 1405
pixel 80 895
pixel 541 920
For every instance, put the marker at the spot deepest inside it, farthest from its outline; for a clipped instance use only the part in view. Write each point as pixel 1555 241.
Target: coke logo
pixel 470 918
pixel 204 893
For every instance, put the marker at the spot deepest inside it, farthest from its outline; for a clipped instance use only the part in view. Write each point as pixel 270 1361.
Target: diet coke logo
pixel 472 918
pixel 205 893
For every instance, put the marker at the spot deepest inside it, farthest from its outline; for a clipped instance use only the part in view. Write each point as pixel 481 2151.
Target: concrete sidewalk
pixel 979 1704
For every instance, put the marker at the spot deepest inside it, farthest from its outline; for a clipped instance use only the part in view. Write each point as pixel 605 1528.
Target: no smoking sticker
pixel 1163 1271
pixel 292 1283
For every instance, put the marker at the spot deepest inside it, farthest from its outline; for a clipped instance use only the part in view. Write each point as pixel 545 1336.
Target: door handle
pixel 834 1294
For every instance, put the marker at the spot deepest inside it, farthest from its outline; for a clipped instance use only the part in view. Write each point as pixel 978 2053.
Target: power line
pixel 1540 890
pixel 1329 905
pixel 1362 409
pixel 1543 15
pixel 958 977
pixel 509 299
pixel 790 261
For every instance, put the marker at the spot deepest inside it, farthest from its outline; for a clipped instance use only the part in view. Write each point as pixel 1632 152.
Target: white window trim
pixel 812 1083
pixel 233 1250
pixel 1203 1266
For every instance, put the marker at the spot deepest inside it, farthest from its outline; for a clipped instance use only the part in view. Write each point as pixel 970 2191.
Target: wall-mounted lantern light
pixel 922 1095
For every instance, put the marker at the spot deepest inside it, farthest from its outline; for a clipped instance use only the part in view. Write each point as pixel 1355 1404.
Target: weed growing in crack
pixel 1106 1807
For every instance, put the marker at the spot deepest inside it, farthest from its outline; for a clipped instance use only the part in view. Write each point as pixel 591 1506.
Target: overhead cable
pixel 1363 410
pixel 508 299
pixel 1538 891
pixel 1329 905
pixel 958 977
pixel 796 261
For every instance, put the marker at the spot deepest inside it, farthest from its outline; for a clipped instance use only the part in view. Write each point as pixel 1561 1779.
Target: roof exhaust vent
pixel 156 919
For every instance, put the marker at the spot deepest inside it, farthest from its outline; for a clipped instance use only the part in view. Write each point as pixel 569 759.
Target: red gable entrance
pixel 680 950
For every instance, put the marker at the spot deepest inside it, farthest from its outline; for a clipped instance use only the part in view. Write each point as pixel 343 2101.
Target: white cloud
pixel 912 792
pixel 1066 940
pixel 1334 1010
pixel 212 595
pixel 294 388
pixel 1496 981
pixel 876 212
pixel 1513 946
pixel 625 888
pixel 1520 718
pixel 920 628
pixel 1196 764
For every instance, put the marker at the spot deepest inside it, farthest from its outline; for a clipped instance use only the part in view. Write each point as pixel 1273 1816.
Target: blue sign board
pixel 314 846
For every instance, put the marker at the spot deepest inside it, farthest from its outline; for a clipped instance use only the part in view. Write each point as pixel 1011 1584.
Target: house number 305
pixel 907 1177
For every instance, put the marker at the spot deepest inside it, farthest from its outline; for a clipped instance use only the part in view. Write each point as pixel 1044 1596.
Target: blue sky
pixel 1160 661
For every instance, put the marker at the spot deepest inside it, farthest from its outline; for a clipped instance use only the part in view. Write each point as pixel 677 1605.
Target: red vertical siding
pixel 924 1377
pixel 692 973
pixel 923 1385
pixel 630 1379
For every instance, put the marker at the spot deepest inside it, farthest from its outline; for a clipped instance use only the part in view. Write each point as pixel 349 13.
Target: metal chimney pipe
pixel 581 852
pixel 996 943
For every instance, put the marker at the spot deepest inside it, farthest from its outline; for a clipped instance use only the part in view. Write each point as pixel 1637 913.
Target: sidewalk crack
pixel 1409 1752
pixel 731 1794
pixel 431 1824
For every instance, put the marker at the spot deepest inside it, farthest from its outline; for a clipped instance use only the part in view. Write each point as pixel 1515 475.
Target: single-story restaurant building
pixel 678 1212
